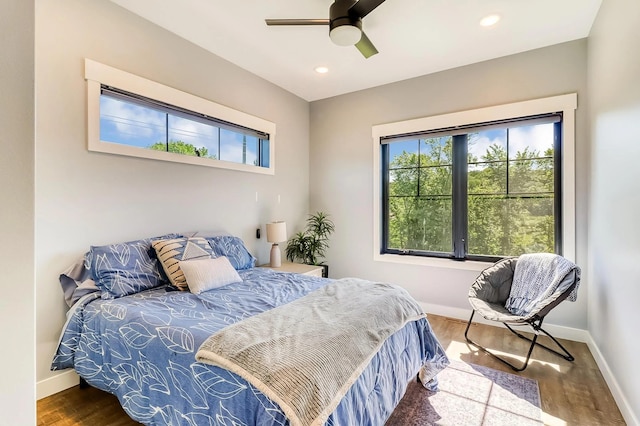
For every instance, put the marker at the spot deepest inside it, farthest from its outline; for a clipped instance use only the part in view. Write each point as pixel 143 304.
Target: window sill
pixel 466 265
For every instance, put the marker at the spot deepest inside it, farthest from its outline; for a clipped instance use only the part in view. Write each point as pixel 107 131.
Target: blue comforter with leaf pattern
pixel 142 348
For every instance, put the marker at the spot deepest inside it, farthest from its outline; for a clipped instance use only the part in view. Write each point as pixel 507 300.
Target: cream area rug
pixel 471 395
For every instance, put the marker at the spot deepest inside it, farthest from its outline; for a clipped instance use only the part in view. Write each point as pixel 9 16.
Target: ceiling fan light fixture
pixel 345 24
pixel 345 35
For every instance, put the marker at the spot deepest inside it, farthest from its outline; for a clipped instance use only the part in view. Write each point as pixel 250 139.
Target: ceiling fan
pixel 345 23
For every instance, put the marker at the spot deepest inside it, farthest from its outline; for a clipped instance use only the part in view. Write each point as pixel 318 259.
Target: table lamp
pixel 276 233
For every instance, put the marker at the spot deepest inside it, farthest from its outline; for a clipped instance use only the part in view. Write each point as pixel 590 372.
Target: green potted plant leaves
pixel 310 245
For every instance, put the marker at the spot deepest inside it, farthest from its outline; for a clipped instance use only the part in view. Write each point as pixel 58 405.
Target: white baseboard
pixel 561 332
pixel 623 404
pixel 557 331
pixel 57 383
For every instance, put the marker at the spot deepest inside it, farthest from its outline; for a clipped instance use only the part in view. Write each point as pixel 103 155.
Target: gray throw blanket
pixel 538 276
pixel 305 355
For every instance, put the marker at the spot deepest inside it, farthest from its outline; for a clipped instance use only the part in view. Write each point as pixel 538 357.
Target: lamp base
pixel 275 260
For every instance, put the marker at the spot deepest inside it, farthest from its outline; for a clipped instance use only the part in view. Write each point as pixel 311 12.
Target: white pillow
pixel 205 274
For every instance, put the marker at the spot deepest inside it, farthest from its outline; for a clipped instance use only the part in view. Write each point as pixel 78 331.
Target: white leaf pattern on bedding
pixel 225 418
pixel 125 268
pixel 114 312
pixel 136 335
pixel 199 419
pixel 234 249
pixel 153 377
pixel 214 306
pixel 64 359
pixel 215 384
pixel 87 367
pixel 181 377
pixel 137 406
pixel 129 375
pixel 121 253
pixel 123 282
pixel 157 318
pixel 177 339
pixel 208 327
pixel 168 416
pixel 187 313
pixel 101 262
pixel 88 317
pixel 180 298
pixel 93 342
pixel 108 379
pixel 117 350
pixel 172 417
pixel 144 262
pixel 144 271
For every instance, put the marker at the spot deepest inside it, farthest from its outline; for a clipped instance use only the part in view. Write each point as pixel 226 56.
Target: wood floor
pixel 571 393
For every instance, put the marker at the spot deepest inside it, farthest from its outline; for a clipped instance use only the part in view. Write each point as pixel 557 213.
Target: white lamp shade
pixel 276 232
pixel 345 35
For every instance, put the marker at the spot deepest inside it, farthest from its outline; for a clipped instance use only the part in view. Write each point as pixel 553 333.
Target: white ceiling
pixel 414 37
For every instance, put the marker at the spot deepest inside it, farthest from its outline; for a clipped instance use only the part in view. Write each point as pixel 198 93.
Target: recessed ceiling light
pixel 322 70
pixel 489 20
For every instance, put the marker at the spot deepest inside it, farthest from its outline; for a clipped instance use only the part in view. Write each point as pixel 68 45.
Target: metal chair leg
pixel 537 328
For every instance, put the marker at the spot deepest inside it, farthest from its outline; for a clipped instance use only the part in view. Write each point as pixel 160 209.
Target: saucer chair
pixel 488 297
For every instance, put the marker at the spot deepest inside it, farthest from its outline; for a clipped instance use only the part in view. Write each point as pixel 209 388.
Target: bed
pixel 138 337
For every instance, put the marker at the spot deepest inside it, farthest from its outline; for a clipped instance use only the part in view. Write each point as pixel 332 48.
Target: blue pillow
pixel 126 268
pixel 234 249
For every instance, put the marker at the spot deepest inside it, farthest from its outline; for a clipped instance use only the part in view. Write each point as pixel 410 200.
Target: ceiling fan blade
pixel 363 7
pixel 366 47
pixel 297 21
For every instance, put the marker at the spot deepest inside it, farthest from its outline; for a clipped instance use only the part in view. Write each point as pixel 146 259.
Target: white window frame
pixel 98 74
pixel 566 104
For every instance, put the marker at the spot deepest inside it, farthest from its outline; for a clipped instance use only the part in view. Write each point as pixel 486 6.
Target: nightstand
pixel 298 268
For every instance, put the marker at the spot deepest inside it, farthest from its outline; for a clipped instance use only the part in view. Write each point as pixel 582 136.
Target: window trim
pixel 98 74
pixel 566 104
pixel 459 178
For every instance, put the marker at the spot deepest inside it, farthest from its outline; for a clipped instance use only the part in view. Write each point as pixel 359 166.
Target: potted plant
pixel 310 245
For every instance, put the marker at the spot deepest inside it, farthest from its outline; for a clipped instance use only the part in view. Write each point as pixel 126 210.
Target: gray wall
pixel 85 198
pixel 17 391
pixel 341 159
pixel 614 93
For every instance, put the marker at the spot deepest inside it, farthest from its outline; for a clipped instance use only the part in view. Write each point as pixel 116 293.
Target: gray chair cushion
pixel 495 311
pixel 494 283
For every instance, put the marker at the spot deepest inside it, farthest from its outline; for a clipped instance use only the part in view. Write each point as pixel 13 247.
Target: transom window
pixel 133 120
pixel 476 185
pixel 130 115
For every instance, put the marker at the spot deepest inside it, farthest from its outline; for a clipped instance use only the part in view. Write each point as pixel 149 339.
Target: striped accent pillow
pixel 171 252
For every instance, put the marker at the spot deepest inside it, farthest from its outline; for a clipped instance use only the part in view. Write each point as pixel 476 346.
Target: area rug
pixel 471 395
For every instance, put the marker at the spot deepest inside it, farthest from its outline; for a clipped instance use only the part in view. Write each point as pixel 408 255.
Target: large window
pixel 455 188
pixel 130 115
pixel 479 192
